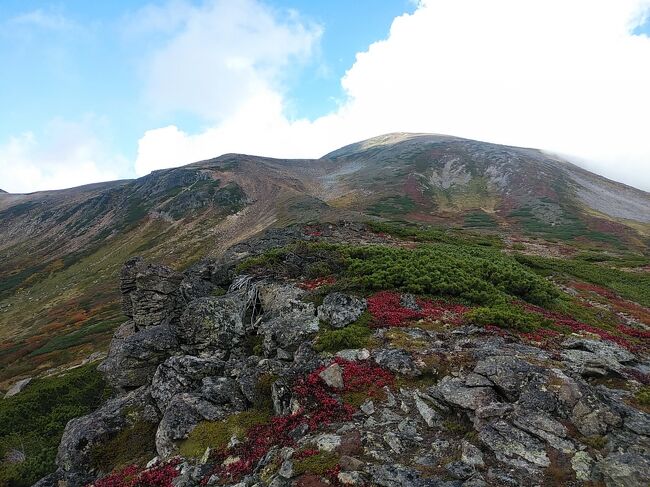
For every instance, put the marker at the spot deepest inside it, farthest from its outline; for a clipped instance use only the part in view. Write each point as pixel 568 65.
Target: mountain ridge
pixel 64 248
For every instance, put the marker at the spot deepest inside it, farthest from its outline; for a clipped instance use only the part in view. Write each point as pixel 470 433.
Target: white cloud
pixel 39 18
pixel 566 76
pixel 66 154
pixel 220 54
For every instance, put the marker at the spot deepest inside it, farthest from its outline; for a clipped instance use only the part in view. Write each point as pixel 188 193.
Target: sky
pixel 94 91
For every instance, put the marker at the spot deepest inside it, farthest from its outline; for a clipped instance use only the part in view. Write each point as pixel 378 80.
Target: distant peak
pixel 386 140
pixel 2 191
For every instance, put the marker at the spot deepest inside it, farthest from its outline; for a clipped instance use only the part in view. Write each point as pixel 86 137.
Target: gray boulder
pixel 397 361
pixel 183 373
pixel 339 310
pixel 508 373
pixel 184 412
pixel 593 417
pixel 625 470
pixel 134 357
pixel 514 446
pixel 454 391
pixel 82 434
pixel 18 387
pixel 284 333
pixel 212 323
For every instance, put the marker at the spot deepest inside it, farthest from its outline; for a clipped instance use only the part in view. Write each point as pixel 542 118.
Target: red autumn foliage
pixel 576 326
pixel 321 406
pixel 312 284
pixel 387 310
pixel 633 332
pixel 161 475
pixel 540 336
pixel 313 231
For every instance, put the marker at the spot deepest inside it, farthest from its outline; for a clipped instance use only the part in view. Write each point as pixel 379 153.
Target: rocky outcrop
pixel 134 356
pixel 462 408
pixel 150 293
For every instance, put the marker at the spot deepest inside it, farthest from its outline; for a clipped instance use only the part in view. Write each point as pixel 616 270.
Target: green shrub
pixel 355 335
pixel 630 285
pixel 643 396
pixel 217 434
pixel 33 421
pixel 477 275
pixel 506 316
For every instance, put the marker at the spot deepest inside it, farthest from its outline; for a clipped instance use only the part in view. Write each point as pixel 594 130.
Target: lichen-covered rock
pixel 592 417
pixel 396 360
pixel 514 446
pixel 508 373
pixel 284 334
pixel 339 310
pixel 212 323
pixel 82 434
pixel 625 470
pixel 134 356
pixel 454 391
pixel 183 413
pixel 183 373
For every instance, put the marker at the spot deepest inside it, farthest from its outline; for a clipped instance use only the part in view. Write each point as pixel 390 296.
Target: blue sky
pixel 101 90
pixel 73 60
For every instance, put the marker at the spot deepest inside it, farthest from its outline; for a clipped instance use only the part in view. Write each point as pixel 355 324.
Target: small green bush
pixel 506 316
pixel 217 434
pixel 643 396
pixel 355 335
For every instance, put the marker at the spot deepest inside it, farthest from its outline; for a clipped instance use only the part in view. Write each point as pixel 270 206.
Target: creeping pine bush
pixel 474 274
pixel 507 316
pixel 32 422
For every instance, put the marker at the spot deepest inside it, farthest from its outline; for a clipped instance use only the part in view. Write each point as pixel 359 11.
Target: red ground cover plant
pixel 161 475
pixel 541 336
pixel 387 310
pixel 312 284
pixel 313 231
pixel 320 406
pixel 576 326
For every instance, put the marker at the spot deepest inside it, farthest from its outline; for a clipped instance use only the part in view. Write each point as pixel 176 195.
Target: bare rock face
pixel 182 374
pixel 133 360
pixel 339 310
pixel 150 293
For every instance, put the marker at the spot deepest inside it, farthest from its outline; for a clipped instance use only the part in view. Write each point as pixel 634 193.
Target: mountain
pixel 62 250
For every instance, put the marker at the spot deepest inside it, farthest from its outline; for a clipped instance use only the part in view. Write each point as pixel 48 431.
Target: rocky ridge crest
pixel 454 407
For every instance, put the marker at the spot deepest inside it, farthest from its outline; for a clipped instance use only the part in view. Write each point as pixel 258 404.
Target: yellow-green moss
pixel 135 444
pixel 217 434
pixel 402 339
pixel 318 464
